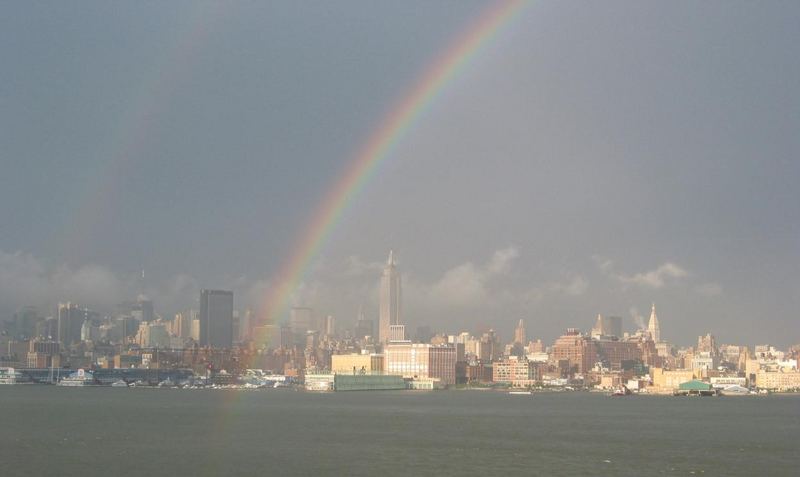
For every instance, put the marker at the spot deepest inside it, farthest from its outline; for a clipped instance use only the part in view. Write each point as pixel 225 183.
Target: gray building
pixel 70 320
pixel 607 326
pixel 301 321
pixel 216 318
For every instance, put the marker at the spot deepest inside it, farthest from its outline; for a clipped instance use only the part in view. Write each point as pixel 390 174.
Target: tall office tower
pixel 598 330
pixel 519 333
pixel 25 320
pixel 301 320
pixel 330 326
pixel 236 328
pixel 246 325
pixel 613 325
pixel 265 336
pixel 390 299
pixel 70 321
pixel 47 328
pixel 607 326
pixel 707 344
pixel 146 306
pixel 216 318
pixel 286 337
pixel 536 346
pixel 364 327
pixel 195 329
pixel 652 327
pixel 182 325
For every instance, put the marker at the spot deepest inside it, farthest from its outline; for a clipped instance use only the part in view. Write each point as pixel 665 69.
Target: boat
pixel 620 391
pixel 735 390
pixel 119 384
pixel 520 393
pixel 78 378
pixel 9 376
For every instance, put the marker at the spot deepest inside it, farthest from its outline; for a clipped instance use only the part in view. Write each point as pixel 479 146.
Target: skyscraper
pixel 216 318
pixel 330 326
pixel 364 327
pixel 301 319
pixel 246 325
pixel 390 299
pixel 606 326
pixel 181 325
pixel 70 321
pixel 519 333
pixel 613 325
pixel 652 327
pixel 146 306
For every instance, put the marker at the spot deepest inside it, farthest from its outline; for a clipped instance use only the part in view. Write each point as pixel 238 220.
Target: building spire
pixel 653 327
pixel 519 333
pixel 389 299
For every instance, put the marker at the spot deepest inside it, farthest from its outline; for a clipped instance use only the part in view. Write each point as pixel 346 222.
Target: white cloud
pixel 471 285
pixel 656 278
pixel 26 280
pixel 501 261
pixel 463 285
pixel 91 284
pixel 666 273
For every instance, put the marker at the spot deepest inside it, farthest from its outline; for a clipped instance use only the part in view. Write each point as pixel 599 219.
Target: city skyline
pixel 449 237
pixel 539 190
pixel 219 324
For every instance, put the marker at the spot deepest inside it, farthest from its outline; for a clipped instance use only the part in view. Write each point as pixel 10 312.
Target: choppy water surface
pixel 151 432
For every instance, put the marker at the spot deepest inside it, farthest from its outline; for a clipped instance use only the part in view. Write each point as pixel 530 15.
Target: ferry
pixel 78 378
pixel 9 376
pixel 736 390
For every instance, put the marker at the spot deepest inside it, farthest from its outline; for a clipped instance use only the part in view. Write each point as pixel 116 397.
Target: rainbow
pixel 375 151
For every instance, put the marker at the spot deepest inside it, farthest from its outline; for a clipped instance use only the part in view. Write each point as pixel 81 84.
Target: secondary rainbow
pixel 376 150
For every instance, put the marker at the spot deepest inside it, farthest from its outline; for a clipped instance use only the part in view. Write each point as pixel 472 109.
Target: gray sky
pixel 593 158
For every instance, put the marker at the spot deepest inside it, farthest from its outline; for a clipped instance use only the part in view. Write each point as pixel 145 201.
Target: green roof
pixel 695 385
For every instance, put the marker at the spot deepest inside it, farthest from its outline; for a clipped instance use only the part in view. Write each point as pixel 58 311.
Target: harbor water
pixel 92 431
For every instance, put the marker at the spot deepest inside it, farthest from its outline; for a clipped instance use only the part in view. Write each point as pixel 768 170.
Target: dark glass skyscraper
pixel 70 320
pixel 216 318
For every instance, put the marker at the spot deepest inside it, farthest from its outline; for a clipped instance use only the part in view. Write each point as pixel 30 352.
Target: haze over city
pixel 588 159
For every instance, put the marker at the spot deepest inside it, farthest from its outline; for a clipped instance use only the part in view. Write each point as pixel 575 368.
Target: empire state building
pixel 390 298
